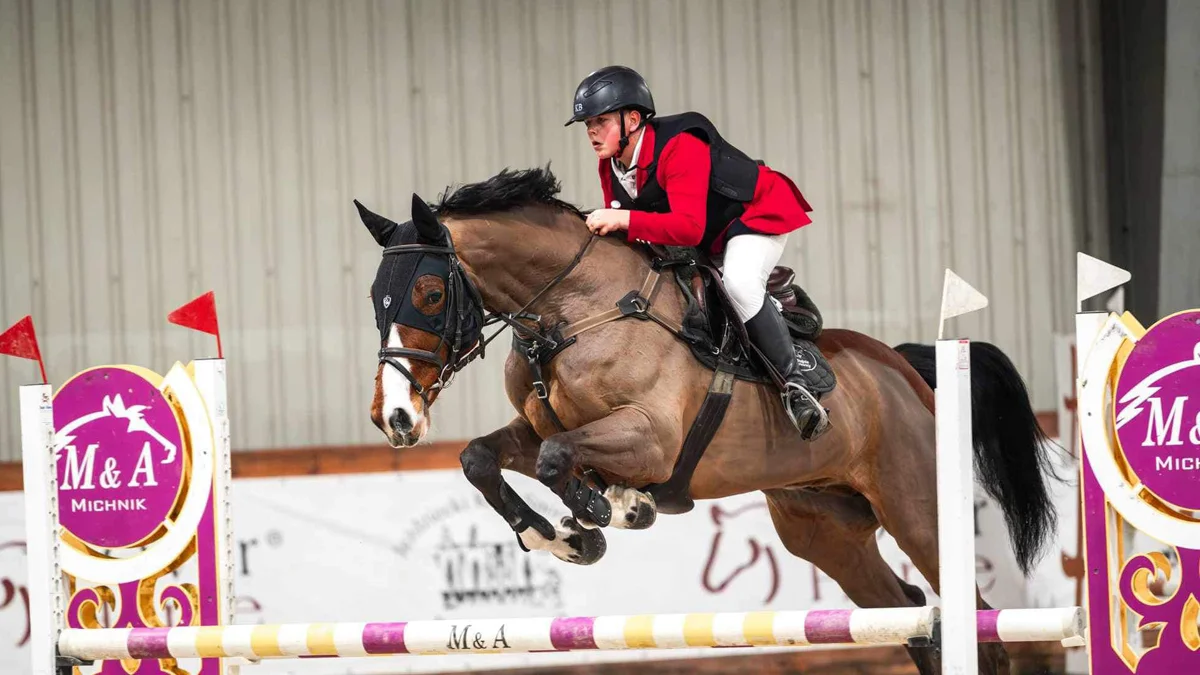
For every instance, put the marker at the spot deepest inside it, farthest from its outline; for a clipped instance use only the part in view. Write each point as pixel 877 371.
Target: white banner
pixel 424 545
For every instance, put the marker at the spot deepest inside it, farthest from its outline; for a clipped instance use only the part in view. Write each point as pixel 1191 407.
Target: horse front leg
pixel 621 445
pixel 516 446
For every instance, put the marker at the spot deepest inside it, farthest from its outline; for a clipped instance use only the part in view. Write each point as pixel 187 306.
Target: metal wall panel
pixel 150 151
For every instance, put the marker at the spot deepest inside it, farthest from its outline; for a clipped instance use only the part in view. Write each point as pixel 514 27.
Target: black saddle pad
pixel 815 367
pixel 718 341
pixel 818 374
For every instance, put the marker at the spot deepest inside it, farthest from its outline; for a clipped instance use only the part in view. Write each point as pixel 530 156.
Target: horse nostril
pixel 400 421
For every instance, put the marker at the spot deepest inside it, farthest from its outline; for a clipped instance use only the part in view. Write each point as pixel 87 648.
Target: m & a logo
pixel 119 451
pixel 1157 411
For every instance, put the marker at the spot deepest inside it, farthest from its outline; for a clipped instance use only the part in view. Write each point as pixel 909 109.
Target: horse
pixel 609 411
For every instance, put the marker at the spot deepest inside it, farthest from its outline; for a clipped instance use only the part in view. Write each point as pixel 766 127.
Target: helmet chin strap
pixel 624 135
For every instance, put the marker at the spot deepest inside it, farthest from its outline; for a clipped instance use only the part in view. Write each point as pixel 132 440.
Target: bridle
pixel 460 293
pixel 464 304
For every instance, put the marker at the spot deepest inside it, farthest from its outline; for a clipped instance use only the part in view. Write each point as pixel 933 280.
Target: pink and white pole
pixel 885 626
pixel 891 626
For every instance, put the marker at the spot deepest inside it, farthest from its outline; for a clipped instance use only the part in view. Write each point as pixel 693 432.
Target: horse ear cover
pixel 428 227
pixel 380 228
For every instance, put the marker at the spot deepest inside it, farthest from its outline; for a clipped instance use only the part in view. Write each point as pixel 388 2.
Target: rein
pixel 537 345
pixel 512 318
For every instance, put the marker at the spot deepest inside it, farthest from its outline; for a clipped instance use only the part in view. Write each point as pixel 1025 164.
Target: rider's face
pixel 604 132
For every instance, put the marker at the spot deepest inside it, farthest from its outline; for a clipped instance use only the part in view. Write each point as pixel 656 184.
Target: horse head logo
pixel 757 555
pixel 114 407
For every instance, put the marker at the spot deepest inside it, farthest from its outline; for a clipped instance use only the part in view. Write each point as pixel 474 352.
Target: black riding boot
pixel 771 336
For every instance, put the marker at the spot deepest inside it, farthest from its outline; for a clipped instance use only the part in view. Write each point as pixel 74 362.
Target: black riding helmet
pixel 612 88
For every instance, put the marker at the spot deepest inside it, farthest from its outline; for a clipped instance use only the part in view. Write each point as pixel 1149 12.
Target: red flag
pixel 20 340
pixel 199 314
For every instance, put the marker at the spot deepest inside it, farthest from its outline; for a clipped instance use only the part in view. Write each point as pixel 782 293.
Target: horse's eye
pixel 429 295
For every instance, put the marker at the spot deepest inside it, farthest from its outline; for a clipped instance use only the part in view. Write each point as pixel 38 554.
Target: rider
pixel 659 177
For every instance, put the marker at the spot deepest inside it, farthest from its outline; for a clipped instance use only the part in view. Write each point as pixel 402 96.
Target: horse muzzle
pixel 400 430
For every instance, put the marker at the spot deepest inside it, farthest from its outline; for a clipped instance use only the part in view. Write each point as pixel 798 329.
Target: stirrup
pixel 815 420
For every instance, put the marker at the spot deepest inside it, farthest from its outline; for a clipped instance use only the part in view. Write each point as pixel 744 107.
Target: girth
pixel 638 304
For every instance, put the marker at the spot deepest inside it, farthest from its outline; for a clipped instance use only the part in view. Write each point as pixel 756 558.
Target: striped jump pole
pixel 891 626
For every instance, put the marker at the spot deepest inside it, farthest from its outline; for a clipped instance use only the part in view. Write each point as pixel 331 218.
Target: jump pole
pixel 955 483
pixel 896 626
pixel 890 626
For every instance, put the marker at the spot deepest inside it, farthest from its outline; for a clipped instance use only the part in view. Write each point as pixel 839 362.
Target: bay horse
pixel 610 410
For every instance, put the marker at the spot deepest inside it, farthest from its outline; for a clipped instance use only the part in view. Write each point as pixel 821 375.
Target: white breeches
pixel 749 259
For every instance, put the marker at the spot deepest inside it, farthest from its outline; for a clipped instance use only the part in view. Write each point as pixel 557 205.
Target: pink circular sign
pixel 119 451
pixel 1157 411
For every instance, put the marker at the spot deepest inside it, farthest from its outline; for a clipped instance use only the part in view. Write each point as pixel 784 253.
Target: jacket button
pixel 615 204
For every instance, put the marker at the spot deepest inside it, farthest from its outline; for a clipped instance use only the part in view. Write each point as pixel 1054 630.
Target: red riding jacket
pixel 682 169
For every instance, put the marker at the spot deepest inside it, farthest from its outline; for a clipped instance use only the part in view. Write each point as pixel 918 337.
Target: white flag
pixel 1093 277
pixel 958 298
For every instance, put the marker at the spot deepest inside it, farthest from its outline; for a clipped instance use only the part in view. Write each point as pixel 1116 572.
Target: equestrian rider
pixel 674 181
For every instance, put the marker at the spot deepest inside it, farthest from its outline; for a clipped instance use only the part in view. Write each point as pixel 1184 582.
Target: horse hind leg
pixel 836 532
pixel 913 524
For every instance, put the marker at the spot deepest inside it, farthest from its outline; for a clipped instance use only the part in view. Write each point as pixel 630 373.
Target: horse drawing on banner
pixel 757 560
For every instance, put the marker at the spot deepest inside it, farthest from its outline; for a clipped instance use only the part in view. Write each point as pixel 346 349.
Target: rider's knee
pixel 746 289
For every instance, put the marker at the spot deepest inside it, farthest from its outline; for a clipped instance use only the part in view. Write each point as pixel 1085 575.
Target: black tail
pixel 1011 450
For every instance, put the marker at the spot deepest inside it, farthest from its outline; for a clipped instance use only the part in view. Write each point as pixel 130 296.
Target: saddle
pixel 717 338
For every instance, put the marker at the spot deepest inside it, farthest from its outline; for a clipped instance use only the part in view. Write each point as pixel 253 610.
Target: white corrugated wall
pixel 150 151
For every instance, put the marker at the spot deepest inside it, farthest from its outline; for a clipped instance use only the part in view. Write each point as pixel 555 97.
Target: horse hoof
pixel 581 546
pixel 632 509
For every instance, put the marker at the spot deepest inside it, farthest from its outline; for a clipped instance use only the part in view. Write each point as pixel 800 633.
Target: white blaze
pixel 397 392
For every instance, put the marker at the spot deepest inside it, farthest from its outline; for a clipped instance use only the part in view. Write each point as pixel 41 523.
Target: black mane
pixel 506 191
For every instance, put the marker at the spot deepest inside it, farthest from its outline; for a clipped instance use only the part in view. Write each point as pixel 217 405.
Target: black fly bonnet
pixel 419 248
pixel 422 247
